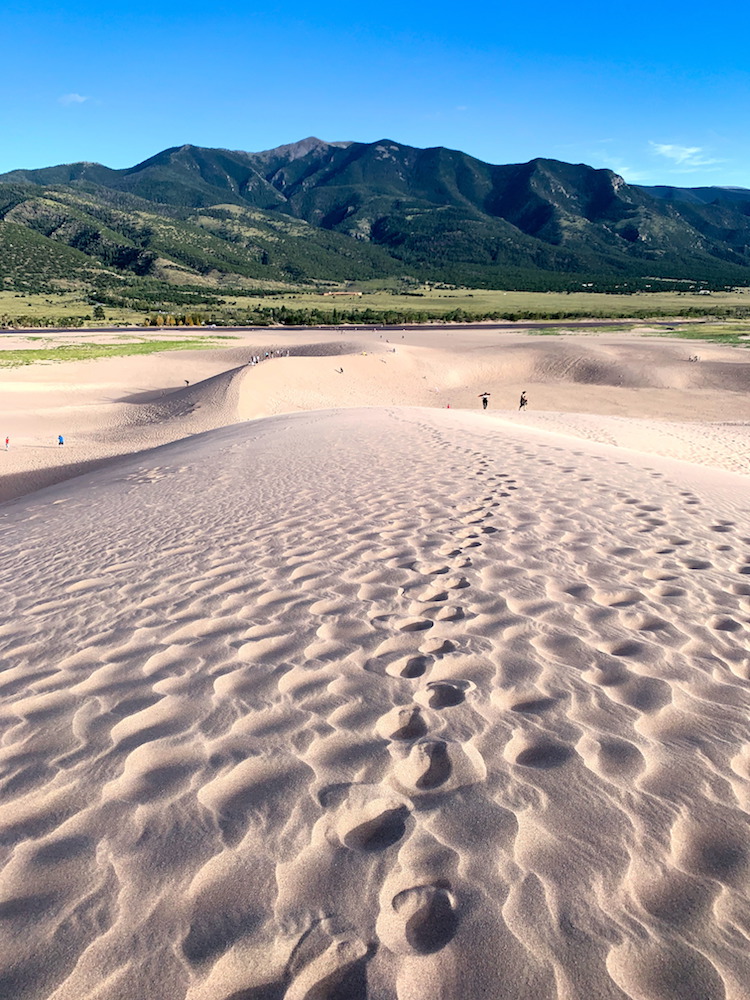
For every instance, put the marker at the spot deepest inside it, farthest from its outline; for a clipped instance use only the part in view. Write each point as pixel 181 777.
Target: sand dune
pixel 379 703
pixel 114 407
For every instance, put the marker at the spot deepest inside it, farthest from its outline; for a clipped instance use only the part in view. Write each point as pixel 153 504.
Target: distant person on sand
pixel 186 382
pixel 7 443
pixel 484 397
pixel 523 403
pixel 60 439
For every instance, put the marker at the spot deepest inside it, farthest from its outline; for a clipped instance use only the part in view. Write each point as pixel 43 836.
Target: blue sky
pixel 659 92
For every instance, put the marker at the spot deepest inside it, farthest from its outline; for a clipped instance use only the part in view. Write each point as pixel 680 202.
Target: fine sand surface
pixel 378 701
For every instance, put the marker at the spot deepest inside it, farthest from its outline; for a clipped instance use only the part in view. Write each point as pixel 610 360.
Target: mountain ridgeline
pixel 316 211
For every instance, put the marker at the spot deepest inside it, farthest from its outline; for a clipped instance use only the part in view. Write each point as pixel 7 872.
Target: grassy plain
pixel 71 306
pixel 50 350
pixel 481 300
pixel 737 334
pixel 40 306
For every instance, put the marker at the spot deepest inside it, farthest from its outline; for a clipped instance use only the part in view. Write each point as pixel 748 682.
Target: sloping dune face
pixel 377 705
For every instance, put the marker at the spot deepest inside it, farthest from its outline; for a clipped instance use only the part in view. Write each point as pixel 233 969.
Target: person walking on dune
pixel 60 440
pixel 7 443
pixel 484 396
pixel 523 403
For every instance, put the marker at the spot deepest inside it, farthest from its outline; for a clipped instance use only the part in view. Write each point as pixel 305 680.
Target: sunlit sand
pixel 329 685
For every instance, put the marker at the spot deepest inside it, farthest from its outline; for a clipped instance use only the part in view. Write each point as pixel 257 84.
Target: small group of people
pixel 60 441
pixel 484 396
pixel 276 353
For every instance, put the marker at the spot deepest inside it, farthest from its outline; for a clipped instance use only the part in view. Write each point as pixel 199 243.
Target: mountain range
pixel 316 211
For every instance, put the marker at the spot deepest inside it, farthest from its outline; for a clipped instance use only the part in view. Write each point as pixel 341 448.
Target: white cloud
pixel 68 99
pixel 633 175
pixel 685 157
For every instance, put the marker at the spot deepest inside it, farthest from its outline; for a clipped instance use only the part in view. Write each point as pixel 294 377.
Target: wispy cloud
pixel 599 153
pixel 685 157
pixel 633 175
pixel 67 99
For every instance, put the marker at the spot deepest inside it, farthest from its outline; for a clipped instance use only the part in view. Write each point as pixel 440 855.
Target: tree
pixel 98 312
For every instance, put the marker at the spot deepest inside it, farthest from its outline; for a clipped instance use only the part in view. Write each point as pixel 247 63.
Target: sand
pixel 379 699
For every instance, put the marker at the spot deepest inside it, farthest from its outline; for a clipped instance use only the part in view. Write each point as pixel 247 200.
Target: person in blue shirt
pixel 60 439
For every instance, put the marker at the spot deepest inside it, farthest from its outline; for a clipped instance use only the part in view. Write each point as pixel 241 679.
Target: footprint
pixel 409 667
pixel 378 826
pixel 402 723
pixel 414 625
pixel 622 647
pixel 332 796
pixel 613 757
pixel 434 765
pixel 450 614
pixel 431 764
pixel 433 596
pixel 543 754
pixel 445 694
pixel 325 973
pixel 429 918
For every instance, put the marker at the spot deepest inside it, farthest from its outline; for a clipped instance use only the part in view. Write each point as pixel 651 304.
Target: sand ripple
pixel 376 705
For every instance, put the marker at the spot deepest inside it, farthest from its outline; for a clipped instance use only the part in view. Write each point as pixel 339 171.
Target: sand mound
pixel 404 704
pixel 211 402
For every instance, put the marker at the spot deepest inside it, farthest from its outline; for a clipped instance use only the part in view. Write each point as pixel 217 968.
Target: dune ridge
pixel 382 703
pixel 114 407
